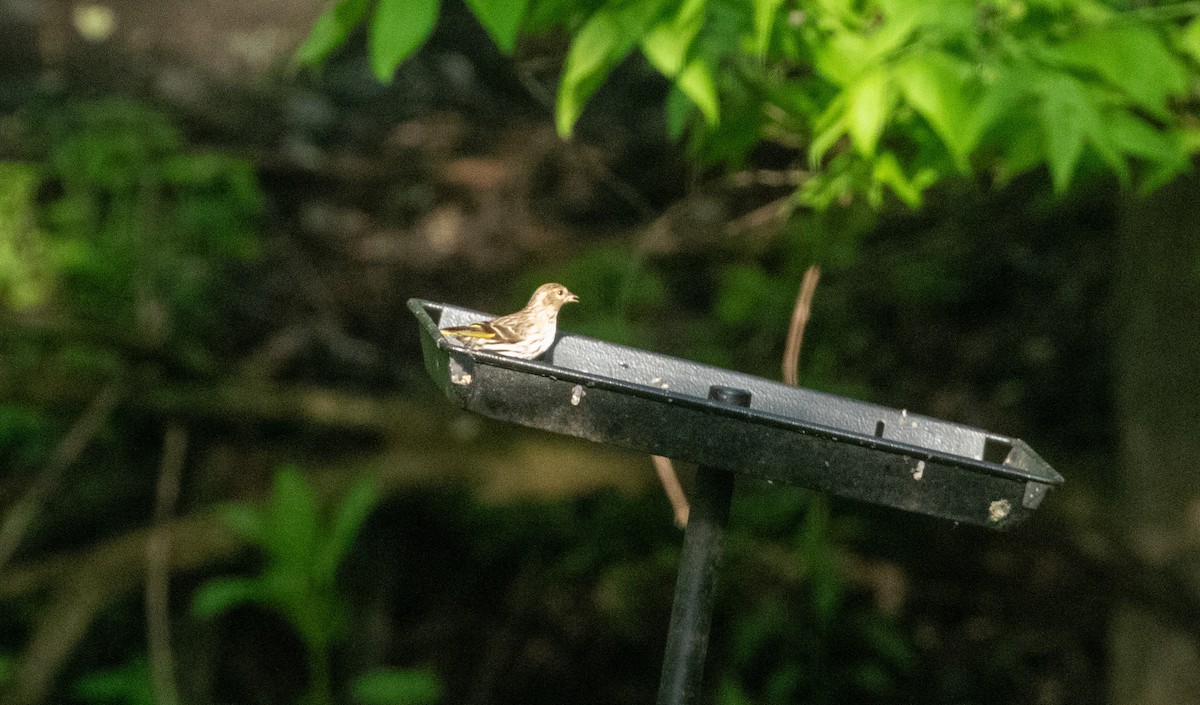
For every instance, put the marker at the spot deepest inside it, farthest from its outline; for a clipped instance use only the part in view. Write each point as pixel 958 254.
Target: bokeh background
pixel 226 478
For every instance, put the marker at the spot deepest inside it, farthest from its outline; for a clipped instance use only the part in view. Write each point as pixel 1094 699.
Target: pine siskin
pixel 525 334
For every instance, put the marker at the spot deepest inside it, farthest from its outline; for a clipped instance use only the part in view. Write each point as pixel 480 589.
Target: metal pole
pixel 691 614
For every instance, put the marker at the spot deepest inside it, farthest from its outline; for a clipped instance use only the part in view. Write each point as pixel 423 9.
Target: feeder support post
pixel 691 613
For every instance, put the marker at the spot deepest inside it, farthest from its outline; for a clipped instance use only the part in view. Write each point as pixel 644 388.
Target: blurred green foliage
pixel 127 684
pixel 8 667
pixel 114 235
pixel 397 686
pixel 24 271
pixel 25 438
pixel 137 223
pixel 303 550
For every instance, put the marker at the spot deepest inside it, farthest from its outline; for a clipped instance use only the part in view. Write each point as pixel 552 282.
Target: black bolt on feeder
pixel 730 423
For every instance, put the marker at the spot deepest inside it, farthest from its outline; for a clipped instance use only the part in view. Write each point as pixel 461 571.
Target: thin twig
pixel 764 221
pixel 158 567
pixel 670 484
pixel 800 316
pixel 20 516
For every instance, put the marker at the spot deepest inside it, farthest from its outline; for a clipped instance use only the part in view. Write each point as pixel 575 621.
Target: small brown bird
pixel 525 334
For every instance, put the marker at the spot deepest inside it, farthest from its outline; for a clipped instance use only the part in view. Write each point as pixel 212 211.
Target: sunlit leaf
pixel 868 106
pixel 842 58
pixel 501 19
pixel 765 12
pixel 1163 149
pixel 1066 116
pixel 603 41
pixel 1138 137
pixel 697 84
pixel 331 30
pixel 887 172
pixel 398 29
pixel 594 52
pixel 936 85
pixel 830 127
pixel 1007 90
pixel 666 45
pixel 1189 41
pixel 1132 58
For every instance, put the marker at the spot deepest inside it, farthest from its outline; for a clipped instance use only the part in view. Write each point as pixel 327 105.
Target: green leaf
pixel 1163 150
pixel 829 128
pixel 354 509
pixel 501 19
pixel 887 171
pixel 294 520
pixel 220 594
pixel 397 686
pixel 697 84
pixel 128 684
pixel 1139 138
pixel 398 29
pixel 331 30
pixel 765 12
pixel 666 45
pixel 1007 89
pixel 678 108
pixel 868 105
pixel 597 48
pixel 1067 115
pixel 603 41
pixel 1189 41
pixel 945 17
pixel 842 58
pixel 1132 58
pixel 1023 146
pixel 935 85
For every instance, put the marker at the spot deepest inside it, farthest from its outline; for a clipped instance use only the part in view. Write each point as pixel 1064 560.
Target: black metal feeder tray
pixel 730 423
pixel 661 405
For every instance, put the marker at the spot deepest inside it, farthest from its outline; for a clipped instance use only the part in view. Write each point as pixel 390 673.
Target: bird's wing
pixel 500 329
pixel 475 330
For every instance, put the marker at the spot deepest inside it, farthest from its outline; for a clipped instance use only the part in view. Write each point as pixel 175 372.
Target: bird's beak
pixel 572 298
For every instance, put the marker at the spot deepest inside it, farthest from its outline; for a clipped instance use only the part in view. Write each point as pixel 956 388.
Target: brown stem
pixel 20 516
pixel 158 567
pixel 670 484
pixel 800 316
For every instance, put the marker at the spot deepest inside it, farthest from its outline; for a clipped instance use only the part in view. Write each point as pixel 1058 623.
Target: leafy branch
pixel 883 96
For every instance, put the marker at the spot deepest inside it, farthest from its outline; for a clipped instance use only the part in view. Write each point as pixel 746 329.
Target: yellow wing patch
pixel 472 331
